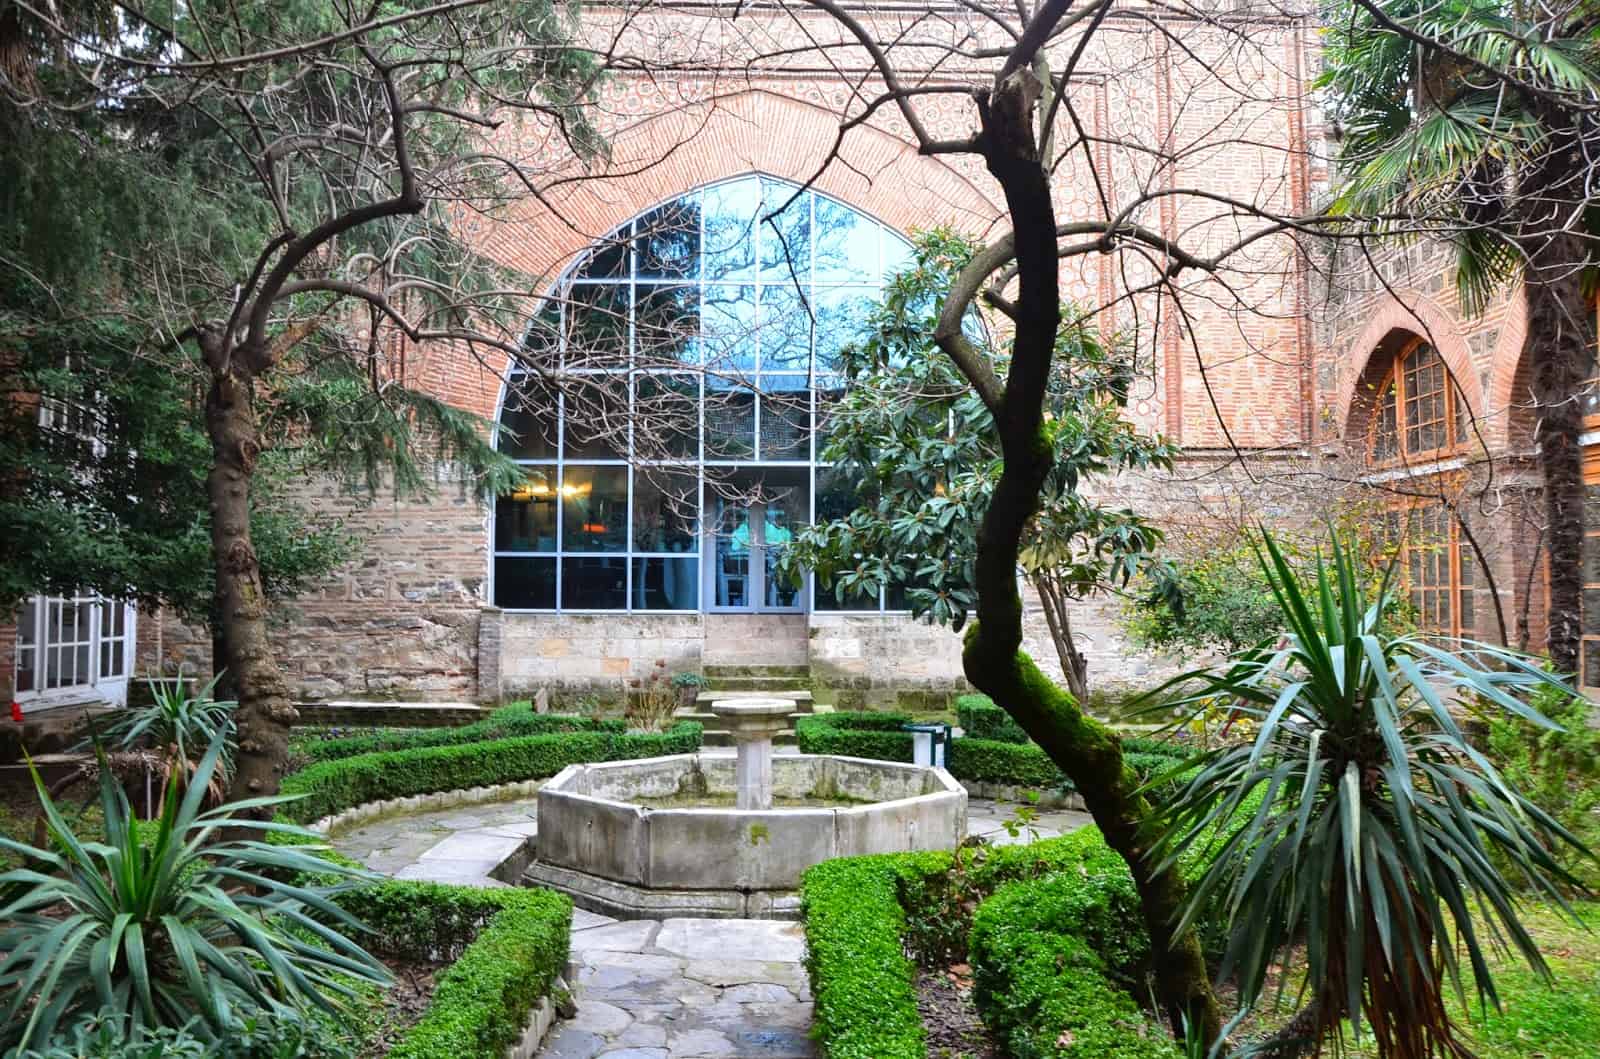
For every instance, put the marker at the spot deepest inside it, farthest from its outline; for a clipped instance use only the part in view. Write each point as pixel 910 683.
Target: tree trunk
pixel 265 712
pixel 1088 752
pixel 1074 667
pixel 1560 350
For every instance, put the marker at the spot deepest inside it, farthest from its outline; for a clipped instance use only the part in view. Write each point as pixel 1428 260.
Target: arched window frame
pixel 1395 429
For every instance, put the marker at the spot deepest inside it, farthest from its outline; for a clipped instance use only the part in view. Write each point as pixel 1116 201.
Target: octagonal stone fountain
pixel 710 834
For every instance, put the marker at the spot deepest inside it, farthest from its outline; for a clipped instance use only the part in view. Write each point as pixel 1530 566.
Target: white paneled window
pixel 73 649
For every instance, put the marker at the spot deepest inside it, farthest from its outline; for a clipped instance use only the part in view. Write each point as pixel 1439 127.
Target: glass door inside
pixel 752 522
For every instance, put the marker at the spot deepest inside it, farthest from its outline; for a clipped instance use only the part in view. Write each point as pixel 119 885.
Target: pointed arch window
pixel 1420 413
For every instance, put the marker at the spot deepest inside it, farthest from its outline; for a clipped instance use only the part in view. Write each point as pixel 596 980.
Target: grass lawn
pixel 1536 1020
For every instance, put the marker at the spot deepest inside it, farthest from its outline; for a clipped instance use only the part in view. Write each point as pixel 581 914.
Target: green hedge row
pixel 328 787
pixel 507 947
pixel 980 718
pixel 877 735
pixel 855 911
pixel 1050 957
pixel 516 719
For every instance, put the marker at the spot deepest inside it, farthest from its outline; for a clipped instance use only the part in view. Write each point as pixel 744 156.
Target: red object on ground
pixel 16 711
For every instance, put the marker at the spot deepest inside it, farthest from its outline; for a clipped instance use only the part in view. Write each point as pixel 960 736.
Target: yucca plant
pixel 168 923
pixel 1360 820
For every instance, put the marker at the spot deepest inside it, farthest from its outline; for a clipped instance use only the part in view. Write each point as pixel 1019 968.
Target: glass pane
pixel 731 565
pixel 666 584
pixel 666 510
pixel 785 418
pixel 667 330
pixel 785 329
pixel 597 326
pixel 730 421
pixel 666 417
pixel 846 244
pixel 597 418
pixel 841 321
pixel 525 584
pixel 594 509
pixel 729 319
pixel 592 583
pixel 731 213
pixel 525 519
pixel 667 241
pixel 528 421
pixel 786 234
pixel 608 259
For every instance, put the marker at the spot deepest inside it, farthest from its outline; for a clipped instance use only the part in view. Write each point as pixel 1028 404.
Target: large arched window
pixel 697 348
pixel 1419 413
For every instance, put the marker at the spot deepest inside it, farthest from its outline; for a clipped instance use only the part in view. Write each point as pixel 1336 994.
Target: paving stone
pixel 597 1016
pixel 565 1043
pixel 631 936
pixel 733 939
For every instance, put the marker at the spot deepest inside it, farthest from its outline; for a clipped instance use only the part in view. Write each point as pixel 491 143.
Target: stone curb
pixel 419 803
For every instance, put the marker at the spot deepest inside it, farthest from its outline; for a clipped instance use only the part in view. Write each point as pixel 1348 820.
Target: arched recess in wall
pixel 697 145
pixel 666 409
pixel 1401 321
pixel 1410 422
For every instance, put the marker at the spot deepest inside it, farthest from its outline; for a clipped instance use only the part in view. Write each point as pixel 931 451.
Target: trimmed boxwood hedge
pixel 878 735
pixel 516 719
pixel 980 718
pixel 328 787
pixel 506 949
pixel 855 911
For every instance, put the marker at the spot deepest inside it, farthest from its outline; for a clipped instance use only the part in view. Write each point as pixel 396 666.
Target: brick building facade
pixel 1270 367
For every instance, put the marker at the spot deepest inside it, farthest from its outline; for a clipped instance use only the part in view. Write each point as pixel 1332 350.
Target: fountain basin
pixel 621 858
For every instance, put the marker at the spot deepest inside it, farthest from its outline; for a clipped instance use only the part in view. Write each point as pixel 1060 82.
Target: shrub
pixel 126 925
pixel 980 718
pixel 331 786
pixel 508 947
pixel 862 983
pixel 508 721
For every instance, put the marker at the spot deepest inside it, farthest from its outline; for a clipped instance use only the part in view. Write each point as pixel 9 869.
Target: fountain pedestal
pixel 753 723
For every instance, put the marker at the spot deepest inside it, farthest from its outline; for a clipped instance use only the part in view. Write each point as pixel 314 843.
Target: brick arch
pixel 1401 317
pixel 667 154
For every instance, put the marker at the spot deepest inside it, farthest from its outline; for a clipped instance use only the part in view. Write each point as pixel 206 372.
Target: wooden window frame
pixel 1395 377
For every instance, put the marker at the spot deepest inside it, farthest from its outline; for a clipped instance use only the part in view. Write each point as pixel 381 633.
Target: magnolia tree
pixel 922 456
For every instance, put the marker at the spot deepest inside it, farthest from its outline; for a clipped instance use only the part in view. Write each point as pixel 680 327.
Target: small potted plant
pixel 689 684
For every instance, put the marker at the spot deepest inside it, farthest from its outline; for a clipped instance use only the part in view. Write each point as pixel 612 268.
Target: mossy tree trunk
pixel 1086 750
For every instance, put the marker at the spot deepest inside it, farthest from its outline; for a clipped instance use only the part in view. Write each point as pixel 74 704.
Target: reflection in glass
pixel 597 418
pixel 528 421
pixel 729 323
pixel 666 417
pixel 730 421
pixel 593 583
pixel 731 570
pixel 524 584
pixel 667 241
pixel 785 329
pixel 525 518
pixel 842 315
pixel 785 417
pixel 666 325
pixel 846 245
pixel 785 234
pixel 731 213
pixel 594 509
pixel 597 326
pixel 666 584
pixel 666 510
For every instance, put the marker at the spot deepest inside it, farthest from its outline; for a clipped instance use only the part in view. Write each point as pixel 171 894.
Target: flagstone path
pixel 647 989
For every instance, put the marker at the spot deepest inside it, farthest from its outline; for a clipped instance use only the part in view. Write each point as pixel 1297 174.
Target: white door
pixel 73 649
